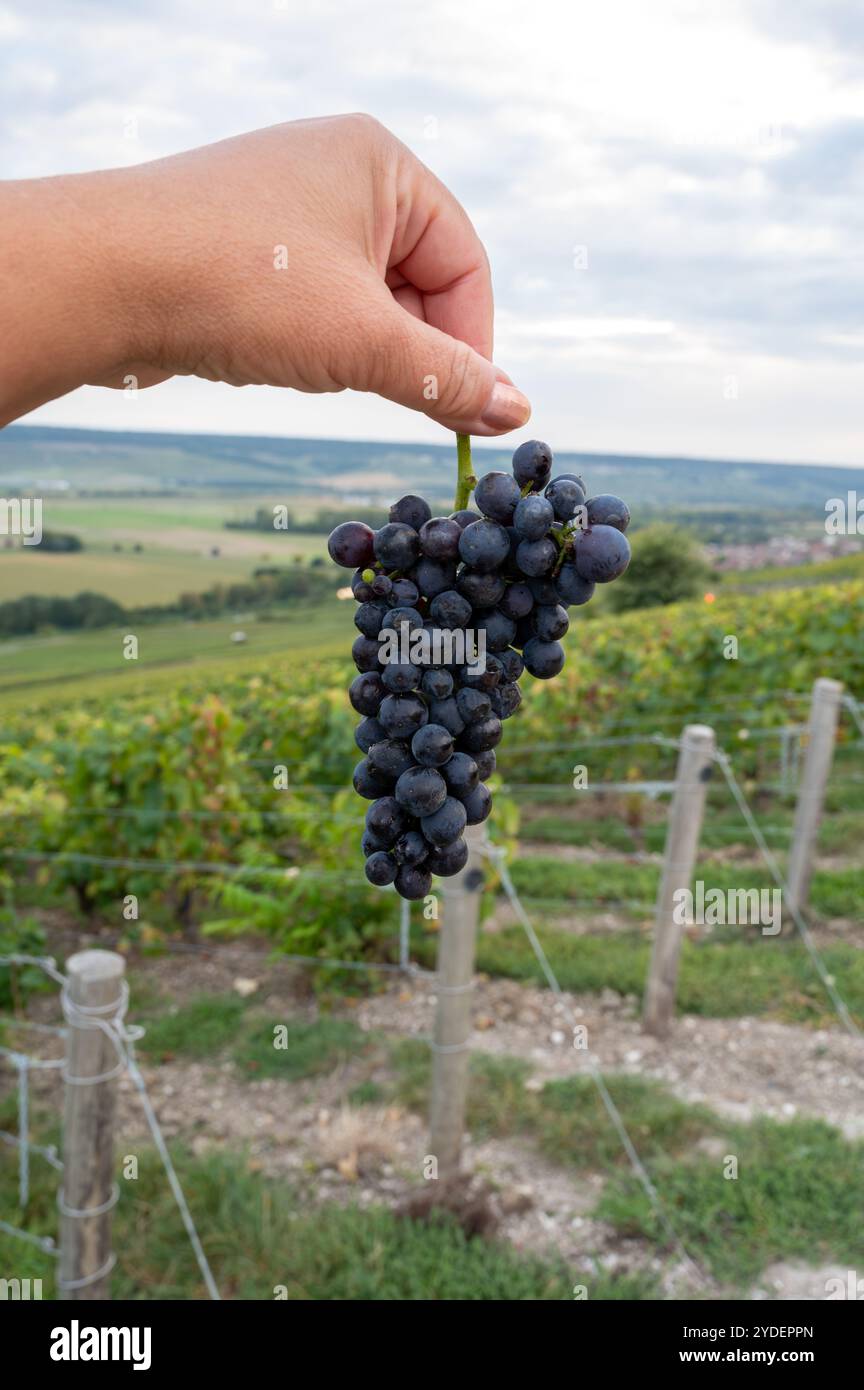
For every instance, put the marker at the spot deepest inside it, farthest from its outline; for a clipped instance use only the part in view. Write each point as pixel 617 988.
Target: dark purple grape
pixel 571 588
pixel 402 715
pixel 351 545
pixel 397 546
pixel 510 568
pixel 550 623
pixel 448 860
pixel 524 632
pixel 434 577
pixel 401 676
pixel 473 704
pixel 395 617
pixel 369 731
pixel 532 518
pixel 464 518
pixel 369 784
pixel 477 804
pixel 565 496
pixel 390 758
pixel 602 554
pixel 404 593
pixel 486 679
pixel 446 713
pixel 460 774
pixel 381 868
pixel 386 820
pixel 366 692
pixel 421 790
pixel 446 824
pixel 606 510
pixel 359 588
pixel 517 601
pixel 506 700
pixel 382 586
pixel 413 881
pixel 439 538
pixel 371 843
pixel 543 589
pixel 532 463
pixel 575 478
pixel 437 685
pixel 484 545
pixel 512 664
pixel 486 763
pixel 451 609
pixel 500 630
pixel 480 590
pixel 497 495
pixel 369 617
pixel 537 558
pixel 365 653
pixel 432 745
pixel 411 848
pixel 481 734
pixel 543 659
pixel 411 511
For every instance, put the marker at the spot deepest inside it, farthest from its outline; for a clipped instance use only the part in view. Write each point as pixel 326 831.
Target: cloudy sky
pixel 670 191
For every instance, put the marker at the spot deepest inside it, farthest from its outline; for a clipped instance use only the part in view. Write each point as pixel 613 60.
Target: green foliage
pixel 202 1028
pixel 566 1119
pixel 833 893
pixel 720 979
pixel 667 566
pixel 59 542
pixel 305 1049
pixel 797 1183
pixel 321 1252
pixel 33 612
pixel 20 937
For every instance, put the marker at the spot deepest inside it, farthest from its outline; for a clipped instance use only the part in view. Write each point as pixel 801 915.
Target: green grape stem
pixel 465 480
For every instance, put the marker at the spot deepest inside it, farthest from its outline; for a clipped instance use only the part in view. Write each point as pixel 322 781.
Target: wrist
pixel 74 311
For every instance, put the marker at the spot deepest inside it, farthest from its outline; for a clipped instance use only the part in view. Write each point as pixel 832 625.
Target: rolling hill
pixel 35 457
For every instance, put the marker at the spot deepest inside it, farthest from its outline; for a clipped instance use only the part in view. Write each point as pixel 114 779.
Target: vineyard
pixel 209 833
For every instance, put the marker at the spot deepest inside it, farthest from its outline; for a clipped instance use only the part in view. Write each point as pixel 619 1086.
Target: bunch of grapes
pixel 506 573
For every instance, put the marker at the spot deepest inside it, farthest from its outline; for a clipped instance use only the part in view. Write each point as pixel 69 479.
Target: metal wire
pixel 498 856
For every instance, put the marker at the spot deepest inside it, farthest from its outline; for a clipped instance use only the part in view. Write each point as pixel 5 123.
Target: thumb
pixel 409 361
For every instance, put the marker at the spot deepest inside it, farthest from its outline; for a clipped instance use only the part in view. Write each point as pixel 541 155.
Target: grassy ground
pixel 786 1197
pixel 287 1250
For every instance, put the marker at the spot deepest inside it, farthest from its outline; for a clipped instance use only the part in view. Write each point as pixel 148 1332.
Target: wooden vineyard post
pixel 88 1190
pixel 695 761
pixel 822 732
pixel 450 1056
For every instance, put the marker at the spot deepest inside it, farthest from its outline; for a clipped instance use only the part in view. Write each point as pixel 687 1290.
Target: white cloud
pixel 704 151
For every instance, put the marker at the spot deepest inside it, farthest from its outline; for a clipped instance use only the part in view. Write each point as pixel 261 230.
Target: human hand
pixel 317 255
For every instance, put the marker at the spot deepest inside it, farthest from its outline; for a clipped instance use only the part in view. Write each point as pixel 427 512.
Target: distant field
pixel 178 538
pixel 39 671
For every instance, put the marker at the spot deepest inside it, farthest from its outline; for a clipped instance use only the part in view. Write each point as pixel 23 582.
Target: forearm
pixel 67 298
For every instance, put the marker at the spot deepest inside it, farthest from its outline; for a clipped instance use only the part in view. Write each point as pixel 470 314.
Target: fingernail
pixel 507 408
